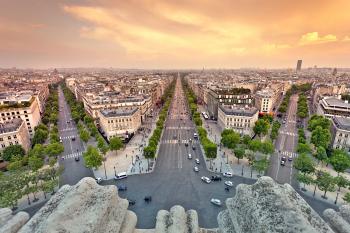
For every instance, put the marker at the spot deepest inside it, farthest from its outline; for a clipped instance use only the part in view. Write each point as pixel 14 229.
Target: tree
pixel 40 136
pixel 321 154
pixel 251 159
pixel 92 158
pixel 346 198
pixel 115 144
pixel 326 183
pixel 38 151
pixel 54 137
pixel 340 161
pixel 246 140
pixel 84 135
pixel 239 153
pixel 261 165
pixel 306 179
pixel 35 163
pixel 13 150
pixel 266 147
pixel 230 140
pixel 255 145
pixel 321 137
pixel 54 149
pixel 303 148
pixel 341 182
pixel 304 164
pixel 317 120
pixel 261 127
pixel 100 142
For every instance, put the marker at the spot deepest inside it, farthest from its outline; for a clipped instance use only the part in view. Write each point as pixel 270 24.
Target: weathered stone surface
pixel 177 221
pixel 5 215
pixel 14 223
pixel 269 207
pixel 339 221
pixel 84 207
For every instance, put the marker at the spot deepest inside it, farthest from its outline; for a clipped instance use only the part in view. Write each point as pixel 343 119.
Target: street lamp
pixel 115 173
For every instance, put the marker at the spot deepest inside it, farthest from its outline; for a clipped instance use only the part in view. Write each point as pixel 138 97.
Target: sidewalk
pixel 225 160
pixel 130 159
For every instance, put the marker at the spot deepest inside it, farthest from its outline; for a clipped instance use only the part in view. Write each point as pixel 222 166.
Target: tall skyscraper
pixel 299 65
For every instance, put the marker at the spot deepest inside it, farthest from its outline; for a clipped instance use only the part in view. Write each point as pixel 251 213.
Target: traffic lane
pixel 73 171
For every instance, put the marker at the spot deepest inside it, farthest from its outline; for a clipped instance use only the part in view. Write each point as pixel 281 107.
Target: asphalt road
pixel 73 170
pixel 285 147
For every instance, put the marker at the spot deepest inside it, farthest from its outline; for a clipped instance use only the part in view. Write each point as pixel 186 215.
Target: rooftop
pixel 118 112
pixel 16 100
pixel 232 91
pixel 332 102
pixel 238 110
pixel 342 122
pixel 10 126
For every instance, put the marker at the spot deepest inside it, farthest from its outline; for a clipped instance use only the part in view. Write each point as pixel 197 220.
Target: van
pixel 121 175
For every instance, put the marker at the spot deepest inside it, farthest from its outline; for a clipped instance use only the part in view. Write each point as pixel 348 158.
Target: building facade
pixel 331 106
pixel 119 122
pixel 240 119
pixel 340 130
pixel 22 106
pixel 14 132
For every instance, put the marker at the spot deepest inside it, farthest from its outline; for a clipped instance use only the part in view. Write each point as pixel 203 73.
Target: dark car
pixel 215 178
pixel 77 158
pixel 73 138
pixel 186 143
pixel 122 187
pixel 132 202
pixel 148 198
pixel 193 147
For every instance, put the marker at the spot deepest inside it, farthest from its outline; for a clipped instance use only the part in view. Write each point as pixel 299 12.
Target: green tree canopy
pixel 255 145
pixel 84 135
pixel 261 127
pixel 317 120
pixel 340 161
pixel 92 157
pixel 326 183
pixel 304 148
pixel 13 150
pixel 230 140
pixel 321 154
pixel 304 164
pixel 239 153
pixel 35 163
pixel 115 143
pixel 321 137
pixel 54 149
pixel 267 147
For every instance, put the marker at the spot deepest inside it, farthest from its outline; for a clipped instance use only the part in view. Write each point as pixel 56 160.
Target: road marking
pixel 69 137
pixel 67 129
pixel 288 133
pixel 70 156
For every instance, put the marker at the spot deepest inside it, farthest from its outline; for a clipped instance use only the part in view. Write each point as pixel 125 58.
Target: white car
pixel 197 161
pixel 98 180
pixel 227 174
pixel 229 183
pixel 206 179
pixel 189 156
pixel 196 169
pixel 215 201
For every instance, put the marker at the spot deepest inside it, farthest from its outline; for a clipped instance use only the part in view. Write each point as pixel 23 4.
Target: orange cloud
pixel 314 38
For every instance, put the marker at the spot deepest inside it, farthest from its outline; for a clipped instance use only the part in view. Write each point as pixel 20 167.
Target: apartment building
pixel 20 105
pixel 340 130
pixel 119 122
pixel 241 119
pixel 14 132
pixel 266 100
pixel 233 96
pixel 332 106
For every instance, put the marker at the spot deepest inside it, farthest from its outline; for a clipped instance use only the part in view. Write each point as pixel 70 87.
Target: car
pixel 68 122
pixel 189 156
pixel 60 140
pixel 290 158
pixel 227 174
pixel 206 179
pixel 195 135
pixel 98 179
pixel 122 187
pixel 283 163
pixel 215 201
pixel 190 140
pixel 283 158
pixel 77 158
pixel 196 169
pixel 186 143
pixel 120 176
pixel 216 178
pixel 196 161
pixel 228 183
pixel 193 147
pixel 73 138
pixel 131 202
pixel 283 121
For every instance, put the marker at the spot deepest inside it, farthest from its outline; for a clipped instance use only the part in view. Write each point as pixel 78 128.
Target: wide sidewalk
pixel 225 160
pixel 129 159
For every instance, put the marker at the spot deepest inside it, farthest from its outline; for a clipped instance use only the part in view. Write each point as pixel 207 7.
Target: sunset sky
pixel 174 34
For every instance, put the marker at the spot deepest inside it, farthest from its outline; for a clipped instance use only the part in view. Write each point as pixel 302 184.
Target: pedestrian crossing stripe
pixel 70 156
pixel 288 153
pixel 174 141
pixel 288 133
pixel 181 127
pixel 67 129
pixel 68 137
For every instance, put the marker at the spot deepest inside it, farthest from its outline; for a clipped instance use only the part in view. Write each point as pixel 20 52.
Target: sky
pixel 174 34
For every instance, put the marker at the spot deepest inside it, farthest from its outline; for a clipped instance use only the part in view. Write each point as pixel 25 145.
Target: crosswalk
pixel 69 137
pixel 288 153
pixel 71 156
pixel 175 141
pixel 68 129
pixel 288 133
pixel 181 127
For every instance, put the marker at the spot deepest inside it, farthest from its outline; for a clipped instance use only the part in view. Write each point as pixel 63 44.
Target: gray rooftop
pixel 118 112
pixel 238 111
pixel 336 103
pixel 342 122
pixel 10 126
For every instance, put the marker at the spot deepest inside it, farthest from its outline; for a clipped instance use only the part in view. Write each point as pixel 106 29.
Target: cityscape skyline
pixel 167 35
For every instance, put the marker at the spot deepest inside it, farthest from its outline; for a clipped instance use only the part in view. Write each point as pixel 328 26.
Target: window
pixel 17 112
pixel 2 145
pixel 28 123
pixel 1 139
pixel 28 120
pixel 13 113
pixel 30 131
pixel 2 114
pixel 16 142
pixel 11 143
pixel 25 111
pixel 15 136
pixel 26 115
pixel 9 137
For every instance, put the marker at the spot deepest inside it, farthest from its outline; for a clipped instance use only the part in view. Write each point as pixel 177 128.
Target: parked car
pixel 215 201
pixel 122 187
pixel 205 179
pixel 197 161
pixel 227 174
pixel 215 178
pixel 229 183
pixel 196 169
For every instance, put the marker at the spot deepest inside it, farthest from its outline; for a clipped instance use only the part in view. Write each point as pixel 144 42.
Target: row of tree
pixel 274 130
pixel 76 107
pixel 150 150
pixel 51 106
pixel 302 88
pixel 302 109
pixel 285 103
pixel 210 148
pixel 262 125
